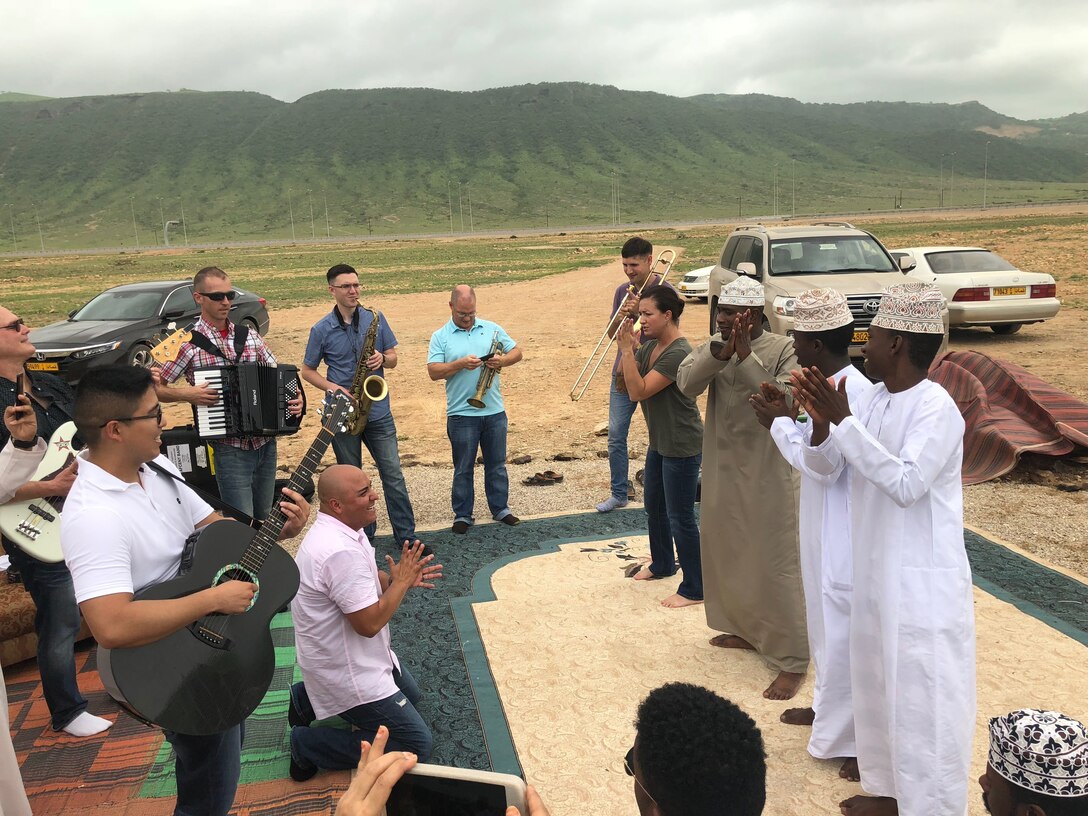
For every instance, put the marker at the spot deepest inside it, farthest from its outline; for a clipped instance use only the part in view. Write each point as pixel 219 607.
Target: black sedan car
pixel 122 324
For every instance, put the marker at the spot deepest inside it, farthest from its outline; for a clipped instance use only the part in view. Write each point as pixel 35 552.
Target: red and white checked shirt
pixel 191 357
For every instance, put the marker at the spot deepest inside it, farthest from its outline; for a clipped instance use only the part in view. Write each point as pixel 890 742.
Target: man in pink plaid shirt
pixel 245 466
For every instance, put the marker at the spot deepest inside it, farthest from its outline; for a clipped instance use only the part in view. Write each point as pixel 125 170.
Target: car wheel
pixel 1006 328
pixel 140 355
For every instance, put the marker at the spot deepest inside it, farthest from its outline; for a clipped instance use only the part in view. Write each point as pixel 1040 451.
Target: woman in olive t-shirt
pixel 676 440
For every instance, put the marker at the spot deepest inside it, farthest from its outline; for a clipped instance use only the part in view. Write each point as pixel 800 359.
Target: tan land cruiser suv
pixel 790 259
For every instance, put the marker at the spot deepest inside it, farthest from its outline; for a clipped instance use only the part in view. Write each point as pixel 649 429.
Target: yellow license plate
pixel 1010 290
pixel 860 337
pixel 43 366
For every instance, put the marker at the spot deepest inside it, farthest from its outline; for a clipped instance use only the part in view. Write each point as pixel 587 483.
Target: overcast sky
pixel 1024 58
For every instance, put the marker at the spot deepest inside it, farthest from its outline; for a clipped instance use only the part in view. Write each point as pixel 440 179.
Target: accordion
pixel 252 401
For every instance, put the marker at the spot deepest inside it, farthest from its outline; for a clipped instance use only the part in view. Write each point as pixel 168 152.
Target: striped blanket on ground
pixel 1008 411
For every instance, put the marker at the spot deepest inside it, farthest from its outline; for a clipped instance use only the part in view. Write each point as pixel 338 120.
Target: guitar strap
pixel 214 501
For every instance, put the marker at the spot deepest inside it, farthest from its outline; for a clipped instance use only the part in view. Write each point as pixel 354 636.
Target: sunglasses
pixel 155 415
pixel 16 326
pixel 219 297
pixel 629 766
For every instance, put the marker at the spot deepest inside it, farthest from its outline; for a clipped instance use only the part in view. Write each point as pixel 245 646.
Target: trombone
pixel 598 355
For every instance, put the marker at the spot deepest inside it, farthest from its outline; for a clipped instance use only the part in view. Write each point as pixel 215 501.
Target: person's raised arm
pixel 413 570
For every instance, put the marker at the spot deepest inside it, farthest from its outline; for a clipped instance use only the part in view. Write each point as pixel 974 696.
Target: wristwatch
pixel 21 445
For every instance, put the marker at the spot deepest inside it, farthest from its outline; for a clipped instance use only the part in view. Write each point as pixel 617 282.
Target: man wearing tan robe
pixel 748 520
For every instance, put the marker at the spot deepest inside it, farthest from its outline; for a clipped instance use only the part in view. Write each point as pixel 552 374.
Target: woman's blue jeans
pixel 669 486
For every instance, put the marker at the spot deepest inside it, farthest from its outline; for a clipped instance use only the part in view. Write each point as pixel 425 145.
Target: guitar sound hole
pixel 235 574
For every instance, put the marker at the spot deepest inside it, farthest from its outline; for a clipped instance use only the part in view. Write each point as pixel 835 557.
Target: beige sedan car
pixel 982 288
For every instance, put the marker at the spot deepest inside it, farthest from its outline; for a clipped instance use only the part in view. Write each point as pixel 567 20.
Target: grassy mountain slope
pixel 242 165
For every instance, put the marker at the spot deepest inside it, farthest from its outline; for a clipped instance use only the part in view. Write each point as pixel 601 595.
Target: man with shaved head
pixel 458 351
pixel 341 615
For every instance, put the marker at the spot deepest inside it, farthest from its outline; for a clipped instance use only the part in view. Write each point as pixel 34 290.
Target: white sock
pixel 87 724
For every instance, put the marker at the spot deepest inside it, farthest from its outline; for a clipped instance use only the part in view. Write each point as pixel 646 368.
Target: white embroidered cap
pixel 742 291
pixel 820 310
pixel 1043 751
pixel 911 307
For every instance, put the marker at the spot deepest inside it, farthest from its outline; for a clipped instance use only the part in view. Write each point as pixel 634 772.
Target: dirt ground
pixel 557 320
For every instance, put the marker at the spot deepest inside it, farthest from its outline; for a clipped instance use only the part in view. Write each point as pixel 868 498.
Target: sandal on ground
pixel 538 479
pixel 551 474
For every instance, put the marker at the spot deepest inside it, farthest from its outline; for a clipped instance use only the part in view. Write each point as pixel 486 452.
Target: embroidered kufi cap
pixel 820 310
pixel 1043 751
pixel 911 307
pixel 742 291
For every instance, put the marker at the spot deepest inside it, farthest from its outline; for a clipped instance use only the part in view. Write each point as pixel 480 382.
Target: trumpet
pixel 598 356
pixel 487 377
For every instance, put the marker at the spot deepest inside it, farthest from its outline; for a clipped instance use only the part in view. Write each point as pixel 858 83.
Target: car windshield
pixel 841 253
pixel 968 260
pixel 121 305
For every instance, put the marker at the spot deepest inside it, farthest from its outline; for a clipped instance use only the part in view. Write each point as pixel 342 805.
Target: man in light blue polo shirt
pixel 338 339
pixel 455 356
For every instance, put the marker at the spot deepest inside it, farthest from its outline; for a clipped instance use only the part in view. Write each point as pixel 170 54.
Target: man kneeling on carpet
pixel 341 617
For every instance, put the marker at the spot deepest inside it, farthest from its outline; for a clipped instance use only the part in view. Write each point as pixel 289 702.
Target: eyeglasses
pixel 465 315
pixel 155 415
pixel 16 326
pixel 629 766
pixel 218 297
pixel 347 287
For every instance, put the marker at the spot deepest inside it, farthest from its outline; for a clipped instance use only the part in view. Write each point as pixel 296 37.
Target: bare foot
pixel 644 574
pixel 731 642
pixel 869 806
pixel 784 686
pixel 849 770
pixel 676 600
pixel 798 716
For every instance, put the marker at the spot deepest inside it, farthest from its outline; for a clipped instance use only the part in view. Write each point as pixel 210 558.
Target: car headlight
pixel 783 306
pixel 94 351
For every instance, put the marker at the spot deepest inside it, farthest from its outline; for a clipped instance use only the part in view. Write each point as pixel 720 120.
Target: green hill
pixel 389 161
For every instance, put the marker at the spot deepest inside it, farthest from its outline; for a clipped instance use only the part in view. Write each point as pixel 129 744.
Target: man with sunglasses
pixel 337 339
pixel 56 621
pixel 245 466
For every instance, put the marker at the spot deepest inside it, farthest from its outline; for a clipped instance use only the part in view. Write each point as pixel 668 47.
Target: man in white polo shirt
pixel 123 530
pixel 341 616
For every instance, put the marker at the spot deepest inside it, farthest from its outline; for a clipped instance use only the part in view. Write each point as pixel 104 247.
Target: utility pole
pixel 460 206
pixel 37 221
pixel 449 198
pixel 310 199
pixel 793 202
pixel 774 191
pixel 470 226
pixel 940 195
pixel 952 177
pixel 132 206
pixel 11 212
pixel 328 229
pixel 162 218
pixel 184 223
pixel 291 209
pixel 985 172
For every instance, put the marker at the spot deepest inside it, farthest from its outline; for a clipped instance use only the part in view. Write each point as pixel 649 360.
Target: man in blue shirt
pixel 456 356
pixel 338 340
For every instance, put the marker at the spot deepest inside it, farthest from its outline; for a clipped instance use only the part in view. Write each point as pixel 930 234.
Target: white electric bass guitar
pixel 35 525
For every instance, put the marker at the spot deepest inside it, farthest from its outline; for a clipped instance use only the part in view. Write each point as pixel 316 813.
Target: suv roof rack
pixel 752 227
pixel 846 224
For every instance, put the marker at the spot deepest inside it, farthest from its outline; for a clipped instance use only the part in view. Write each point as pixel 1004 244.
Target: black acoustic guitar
pixel 212 674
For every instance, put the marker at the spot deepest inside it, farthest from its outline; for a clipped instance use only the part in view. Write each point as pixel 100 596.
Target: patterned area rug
pixel 129 769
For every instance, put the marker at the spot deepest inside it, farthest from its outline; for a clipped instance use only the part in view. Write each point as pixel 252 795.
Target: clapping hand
pixel 415 569
pixel 742 335
pixel 825 403
pixel 771 403
pixel 625 336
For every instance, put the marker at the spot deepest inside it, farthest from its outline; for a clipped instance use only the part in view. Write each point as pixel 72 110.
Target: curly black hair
pixel 922 348
pixel 699 754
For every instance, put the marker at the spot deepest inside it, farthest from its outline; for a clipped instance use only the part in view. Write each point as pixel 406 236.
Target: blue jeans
pixel 337 748
pixel 488 433
pixel 669 495
pixel 620 410
pixel 246 478
pixel 207 771
pixel 56 622
pixel 380 438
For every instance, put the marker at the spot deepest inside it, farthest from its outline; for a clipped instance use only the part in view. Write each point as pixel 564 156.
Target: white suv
pixel 791 259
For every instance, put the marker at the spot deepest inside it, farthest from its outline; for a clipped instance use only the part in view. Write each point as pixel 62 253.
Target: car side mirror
pixel 72 313
pixel 173 314
pixel 906 263
pixel 747 268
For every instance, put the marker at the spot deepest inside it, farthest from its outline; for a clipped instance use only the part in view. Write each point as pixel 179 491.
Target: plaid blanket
pixel 1008 410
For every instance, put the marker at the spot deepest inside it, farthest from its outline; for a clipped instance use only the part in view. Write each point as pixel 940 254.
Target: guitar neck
pixel 268 534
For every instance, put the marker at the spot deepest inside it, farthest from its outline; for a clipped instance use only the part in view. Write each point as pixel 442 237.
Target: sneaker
pixel 460 527
pixel 610 504
pixel 510 520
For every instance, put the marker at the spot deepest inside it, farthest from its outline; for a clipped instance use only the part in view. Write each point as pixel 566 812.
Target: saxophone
pixel 366 388
pixel 487 376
